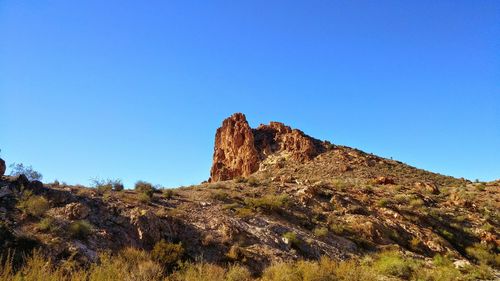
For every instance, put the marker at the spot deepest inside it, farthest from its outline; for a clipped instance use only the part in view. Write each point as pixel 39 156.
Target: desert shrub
pixel 144 187
pixel 384 202
pixel 106 185
pixel 199 272
pixel 415 244
pixel 339 184
pixel 238 273
pixel 244 212
pixel 219 195
pixel 292 238
pixel 168 193
pixel 167 254
pixel 416 203
pixel 321 231
pixel 235 253
pixel 252 181
pixel 47 224
pixel 337 229
pixel 268 202
pixel 401 198
pixel 392 263
pixel 118 185
pixel 480 187
pixel 33 205
pixel 144 198
pixel 80 229
pixel 20 169
pixel 484 255
pixel 446 234
pixel 281 272
pixel 325 269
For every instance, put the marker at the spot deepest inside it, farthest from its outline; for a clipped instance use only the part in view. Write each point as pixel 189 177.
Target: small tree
pixel 20 169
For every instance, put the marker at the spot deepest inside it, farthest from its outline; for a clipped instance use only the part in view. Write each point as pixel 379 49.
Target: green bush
pixel 321 231
pixel 20 169
pixel 391 263
pixel 219 195
pixel 144 198
pixel 384 202
pixel 168 193
pixel 144 187
pixel 167 254
pixel 106 185
pixel 292 239
pixel 47 224
pixel 484 255
pixel 80 229
pixel 416 203
pixel 244 212
pixel 33 204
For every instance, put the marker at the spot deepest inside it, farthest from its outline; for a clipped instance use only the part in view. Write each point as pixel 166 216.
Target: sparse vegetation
pixel 291 238
pixel 321 231
pixel 268 202
pixel 393 263
pixel 19 169
pixel 145 191
pixel 167 254
pixel 133 264
pixel 384 202
pixel 33 205
pixel 80 229
pixel 47 224
pixel 484 255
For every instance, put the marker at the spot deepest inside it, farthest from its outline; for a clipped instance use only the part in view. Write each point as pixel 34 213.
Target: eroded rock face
pixel 2 167
pixel 234 151
pixel 76 211
pixel 277 137
pixel 240 149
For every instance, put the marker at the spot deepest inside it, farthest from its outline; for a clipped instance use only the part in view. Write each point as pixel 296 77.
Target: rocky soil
pixel 275 194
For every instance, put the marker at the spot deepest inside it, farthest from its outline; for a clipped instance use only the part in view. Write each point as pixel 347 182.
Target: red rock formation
pixel 277 137
pixel 239 149
pixel 234 151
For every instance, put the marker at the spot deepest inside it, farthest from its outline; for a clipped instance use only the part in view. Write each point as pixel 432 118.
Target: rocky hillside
pixel 274 194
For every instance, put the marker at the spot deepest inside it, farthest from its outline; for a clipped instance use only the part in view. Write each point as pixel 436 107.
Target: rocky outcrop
pixel 277 137
pixel 234 153
pixel 76 211
pixel 2 167
pixel 239 149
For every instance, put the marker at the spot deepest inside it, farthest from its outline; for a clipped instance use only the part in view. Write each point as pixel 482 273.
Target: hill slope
pixel 275 195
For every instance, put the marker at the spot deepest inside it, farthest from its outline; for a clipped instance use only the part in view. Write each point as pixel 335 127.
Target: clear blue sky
pixel 136 89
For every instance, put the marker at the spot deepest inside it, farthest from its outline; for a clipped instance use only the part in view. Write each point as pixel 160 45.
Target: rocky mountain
pixel 275 194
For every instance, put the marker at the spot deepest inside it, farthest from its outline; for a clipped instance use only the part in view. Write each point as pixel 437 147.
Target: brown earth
pixel 337 201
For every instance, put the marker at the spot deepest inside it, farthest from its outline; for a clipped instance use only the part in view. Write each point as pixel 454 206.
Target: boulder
pixel 76 211
pixel 384 180
pixel 428 187
pixel 2 167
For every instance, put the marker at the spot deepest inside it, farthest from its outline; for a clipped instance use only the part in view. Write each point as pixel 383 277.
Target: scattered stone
pixel 384 180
